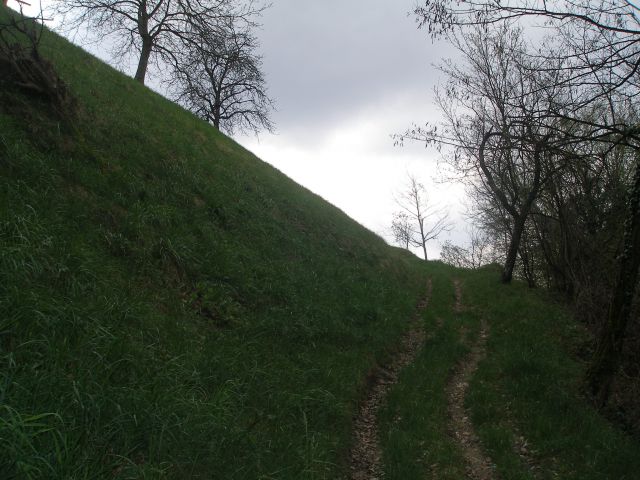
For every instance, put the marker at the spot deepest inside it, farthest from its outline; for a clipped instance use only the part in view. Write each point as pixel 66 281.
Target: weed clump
pixel 23 69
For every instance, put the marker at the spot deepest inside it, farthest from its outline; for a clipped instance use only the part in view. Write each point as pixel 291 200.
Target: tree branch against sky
pixel 593 45
pixel 219 78
pixel 156 30
pixel 594 53
pixel 418 221
pixel 401 229
pixel 479 251
pixel 496 124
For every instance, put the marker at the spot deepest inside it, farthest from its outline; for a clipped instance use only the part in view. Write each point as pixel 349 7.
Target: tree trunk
pixel 423 241
pixel 143 63
pixel 217 110
pixel 527 267
pixel 519 217
pixel 611 339
pixel 510 262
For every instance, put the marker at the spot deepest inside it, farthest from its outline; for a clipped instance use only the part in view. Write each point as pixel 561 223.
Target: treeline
pixel 541 123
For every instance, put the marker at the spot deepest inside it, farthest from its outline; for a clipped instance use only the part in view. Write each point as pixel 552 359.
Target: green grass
pixel 530 380
pixel 416 440
pixel 171 306
pixel 528 385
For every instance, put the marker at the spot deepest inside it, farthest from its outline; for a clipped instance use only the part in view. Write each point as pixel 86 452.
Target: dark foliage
pixel 22 67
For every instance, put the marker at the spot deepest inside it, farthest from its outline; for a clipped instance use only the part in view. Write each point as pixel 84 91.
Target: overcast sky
pixel 345 75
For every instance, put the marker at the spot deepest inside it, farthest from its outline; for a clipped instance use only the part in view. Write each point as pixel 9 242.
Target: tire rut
pixel 479 466
pixel 365 462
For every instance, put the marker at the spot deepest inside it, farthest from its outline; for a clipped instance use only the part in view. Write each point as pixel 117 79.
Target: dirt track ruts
pixel 366 454
pixel 479 466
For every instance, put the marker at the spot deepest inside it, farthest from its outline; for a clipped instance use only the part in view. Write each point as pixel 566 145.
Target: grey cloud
pixel 324 59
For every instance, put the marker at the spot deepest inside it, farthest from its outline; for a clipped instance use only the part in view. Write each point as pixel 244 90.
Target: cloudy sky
pixel 345 75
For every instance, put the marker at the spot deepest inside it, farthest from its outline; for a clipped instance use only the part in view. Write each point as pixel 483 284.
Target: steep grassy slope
pixel 171 306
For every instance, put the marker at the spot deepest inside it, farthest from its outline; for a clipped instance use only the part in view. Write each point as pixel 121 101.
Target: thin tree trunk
pixel 514 244
pixel 611 339
pixel 527 267
pixel 423 242
pixel 519 217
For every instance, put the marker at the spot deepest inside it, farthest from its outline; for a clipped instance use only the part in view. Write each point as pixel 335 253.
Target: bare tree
pixel 598 59
pixel 155 29
pixel 454 255
pixel 479 251
pixel 219 78
pixel 594 44
pixel 401 229
pixel 496 123
pixel 420 220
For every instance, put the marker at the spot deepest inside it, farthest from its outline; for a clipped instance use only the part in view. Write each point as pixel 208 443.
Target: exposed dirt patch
pixel 523 449
pixel 479 466
pixel 366 454
pixel 457 307
pixel 528 456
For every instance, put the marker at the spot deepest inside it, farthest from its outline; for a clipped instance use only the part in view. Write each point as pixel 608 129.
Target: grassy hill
pixel 172 307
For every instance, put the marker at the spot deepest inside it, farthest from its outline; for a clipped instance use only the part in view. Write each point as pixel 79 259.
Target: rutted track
pixel 479 466
pixel 365 458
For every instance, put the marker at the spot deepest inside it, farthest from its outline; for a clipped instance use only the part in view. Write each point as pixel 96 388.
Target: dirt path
pixel 523 450
pixel 366 454
pixel 478 465
pixel 457 307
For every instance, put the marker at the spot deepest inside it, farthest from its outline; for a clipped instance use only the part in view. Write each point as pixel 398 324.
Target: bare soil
pixel 365 461
pixel 479 466
pixel 522 448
